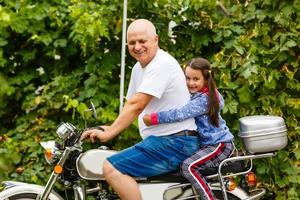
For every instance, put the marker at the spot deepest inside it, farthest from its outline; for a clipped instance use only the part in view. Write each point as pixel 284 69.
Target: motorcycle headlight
pixel 51 153
pixel 65 130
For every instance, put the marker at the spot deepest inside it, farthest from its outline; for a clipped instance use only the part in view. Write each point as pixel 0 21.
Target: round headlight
pixel 65 130
pixel 51 152
pixel 50 155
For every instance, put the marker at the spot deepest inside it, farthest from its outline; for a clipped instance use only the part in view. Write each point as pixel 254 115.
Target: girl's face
pixel 194 79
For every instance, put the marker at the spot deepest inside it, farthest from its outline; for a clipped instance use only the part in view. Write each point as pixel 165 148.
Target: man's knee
pixel 108 169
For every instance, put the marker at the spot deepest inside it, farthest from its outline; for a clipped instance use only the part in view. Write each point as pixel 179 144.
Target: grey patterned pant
pixel 205 157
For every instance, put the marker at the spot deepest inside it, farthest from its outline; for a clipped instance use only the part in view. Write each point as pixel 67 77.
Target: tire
pixel 219 195
pixel 26 192
pixel 24 196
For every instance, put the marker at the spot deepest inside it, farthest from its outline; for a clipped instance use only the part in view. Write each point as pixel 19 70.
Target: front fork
pixel 54 176
pixel 79 191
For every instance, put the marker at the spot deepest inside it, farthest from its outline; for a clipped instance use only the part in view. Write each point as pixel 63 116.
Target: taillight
pixel 251 179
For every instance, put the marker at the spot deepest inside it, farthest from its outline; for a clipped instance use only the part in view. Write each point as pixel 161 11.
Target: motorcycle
pixel 82 172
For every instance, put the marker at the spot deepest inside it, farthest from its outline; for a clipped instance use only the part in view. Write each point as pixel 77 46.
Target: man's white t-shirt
pixel 163 79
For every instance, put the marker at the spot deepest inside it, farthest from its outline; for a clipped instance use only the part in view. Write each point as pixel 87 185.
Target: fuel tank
pixel 89 164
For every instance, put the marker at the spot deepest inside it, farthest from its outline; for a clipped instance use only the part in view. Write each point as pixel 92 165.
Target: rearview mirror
pixel 92 109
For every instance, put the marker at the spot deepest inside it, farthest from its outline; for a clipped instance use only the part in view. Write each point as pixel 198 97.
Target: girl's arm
pixel 195 107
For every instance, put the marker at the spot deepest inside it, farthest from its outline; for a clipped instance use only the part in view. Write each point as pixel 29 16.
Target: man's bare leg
pixel 125 186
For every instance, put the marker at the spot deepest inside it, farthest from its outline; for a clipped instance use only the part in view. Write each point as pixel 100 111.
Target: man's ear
pixel 156 38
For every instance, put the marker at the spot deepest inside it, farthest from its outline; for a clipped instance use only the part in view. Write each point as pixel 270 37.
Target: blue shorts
pixel 155 155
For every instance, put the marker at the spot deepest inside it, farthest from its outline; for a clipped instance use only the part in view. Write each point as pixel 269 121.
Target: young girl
pixel 216 141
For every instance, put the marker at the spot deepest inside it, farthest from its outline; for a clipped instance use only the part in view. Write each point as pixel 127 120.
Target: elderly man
pixel 157 83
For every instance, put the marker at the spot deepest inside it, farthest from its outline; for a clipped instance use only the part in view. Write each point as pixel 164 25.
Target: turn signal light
pixel 49 155
pixel 230 184
pixel 251 179
pixel 58 169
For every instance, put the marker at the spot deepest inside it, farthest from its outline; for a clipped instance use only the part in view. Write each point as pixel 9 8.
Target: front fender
pixel 13 188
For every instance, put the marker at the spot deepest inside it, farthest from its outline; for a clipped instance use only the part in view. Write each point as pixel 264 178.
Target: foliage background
pixel 57 55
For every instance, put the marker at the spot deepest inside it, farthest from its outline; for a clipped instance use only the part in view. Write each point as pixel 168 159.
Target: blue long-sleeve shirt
pixel 198 108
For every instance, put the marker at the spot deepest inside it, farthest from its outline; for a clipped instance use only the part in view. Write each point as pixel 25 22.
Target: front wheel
pixel 23 196
pixel 26 192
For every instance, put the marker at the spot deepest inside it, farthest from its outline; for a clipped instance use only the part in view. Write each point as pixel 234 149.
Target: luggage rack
pixel 261 191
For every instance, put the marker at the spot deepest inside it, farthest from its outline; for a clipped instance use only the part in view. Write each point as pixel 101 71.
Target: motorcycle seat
pixel 175 176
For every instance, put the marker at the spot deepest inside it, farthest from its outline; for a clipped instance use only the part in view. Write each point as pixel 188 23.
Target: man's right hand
pixel 93 134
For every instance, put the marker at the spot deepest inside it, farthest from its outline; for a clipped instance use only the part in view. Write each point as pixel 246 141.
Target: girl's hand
pixel 147 120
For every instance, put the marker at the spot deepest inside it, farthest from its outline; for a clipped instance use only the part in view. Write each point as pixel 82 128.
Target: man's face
pixel 142 46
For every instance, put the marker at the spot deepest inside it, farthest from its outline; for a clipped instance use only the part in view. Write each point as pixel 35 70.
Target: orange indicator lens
pixel 230 184
pixel 58 169
pixel 48 153
pixel 251 179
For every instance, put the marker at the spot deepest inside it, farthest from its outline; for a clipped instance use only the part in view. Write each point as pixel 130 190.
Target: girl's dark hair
pixel 213 103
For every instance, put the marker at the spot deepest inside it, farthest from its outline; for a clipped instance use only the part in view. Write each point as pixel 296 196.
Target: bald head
pixel 142 25
pixel 142 41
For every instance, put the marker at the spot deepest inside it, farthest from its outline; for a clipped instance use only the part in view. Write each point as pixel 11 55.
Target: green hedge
pixel 57 55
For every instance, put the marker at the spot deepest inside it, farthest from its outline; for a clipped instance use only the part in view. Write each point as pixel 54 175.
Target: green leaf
pixel 239 49
pixel 283 155
pixel 262 169
pixel 280 181
pixel 60 43
pixel 34 178
pixel 290 43
pixel 45 38
pixel 229 44
pixel 237 29
pixel 3 42
pixel 28 55
pixel 293 193
pixel 231 107
pixel 244 94
pixel 19 24
pixel 248 69
pixel 16 157
pixel 297 153
pixel 232 86
pixel 82 108
pixel 74 103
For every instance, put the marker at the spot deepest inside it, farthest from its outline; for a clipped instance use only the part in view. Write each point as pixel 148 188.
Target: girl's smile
pixel 194 79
